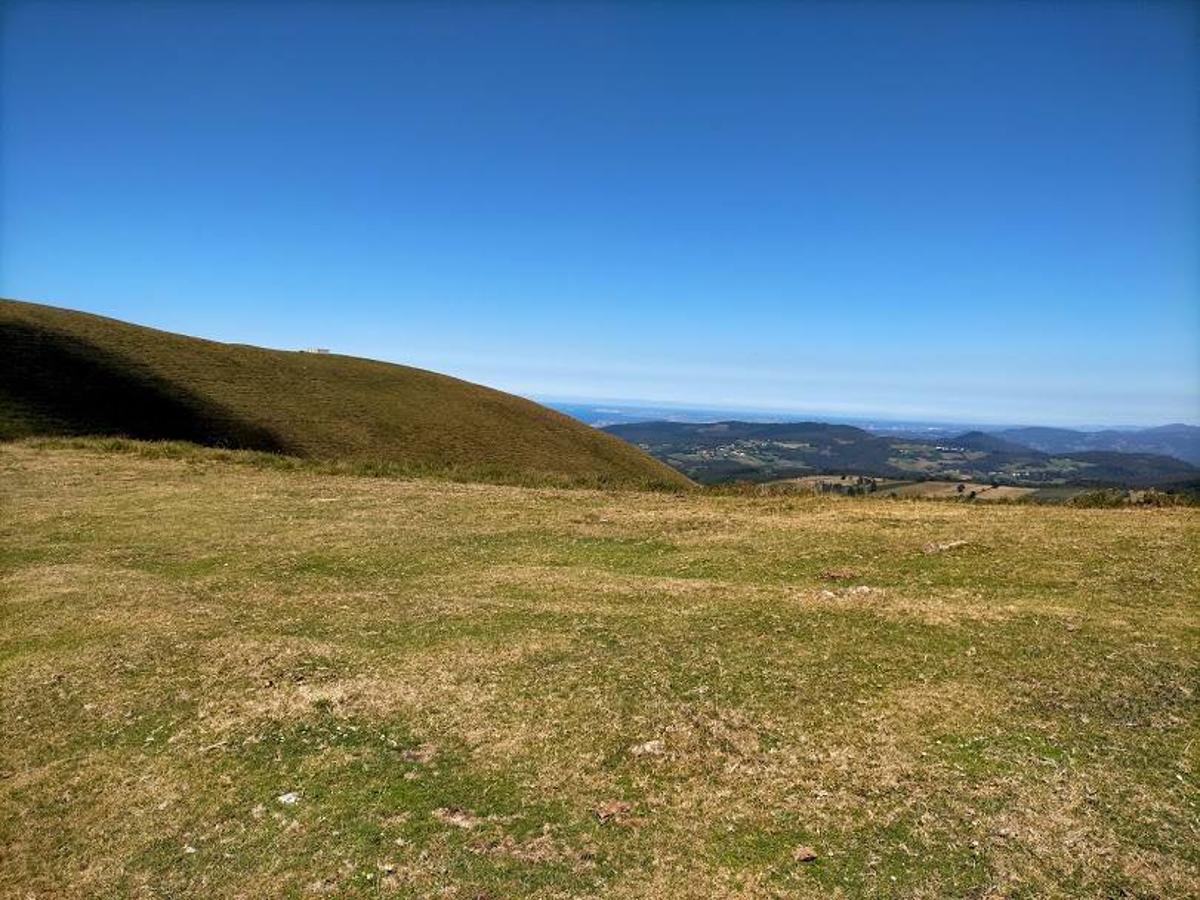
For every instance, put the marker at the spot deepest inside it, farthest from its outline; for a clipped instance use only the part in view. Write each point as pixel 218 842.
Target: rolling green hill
pixel 70 373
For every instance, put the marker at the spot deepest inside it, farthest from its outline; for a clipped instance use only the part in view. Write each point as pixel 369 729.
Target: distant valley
pixel 1177 440
pixel 717 452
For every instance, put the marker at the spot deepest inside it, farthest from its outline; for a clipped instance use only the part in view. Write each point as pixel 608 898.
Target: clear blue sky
pixel 967 211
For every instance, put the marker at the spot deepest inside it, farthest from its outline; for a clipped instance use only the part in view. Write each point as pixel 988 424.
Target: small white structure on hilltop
pixel 315 350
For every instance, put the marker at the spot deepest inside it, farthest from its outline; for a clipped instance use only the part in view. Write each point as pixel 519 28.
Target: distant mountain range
pixel 717 452
pixel 1179 441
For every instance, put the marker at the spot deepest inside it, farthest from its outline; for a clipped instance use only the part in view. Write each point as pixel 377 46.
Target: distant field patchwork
pixel 882 488
pixel 732 451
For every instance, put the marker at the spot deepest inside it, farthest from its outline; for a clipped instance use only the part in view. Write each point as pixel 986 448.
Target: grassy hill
pixel 70 373
pixel 361 687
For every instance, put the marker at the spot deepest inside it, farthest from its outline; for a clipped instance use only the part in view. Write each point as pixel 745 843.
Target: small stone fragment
pixel 935 547
pixel 650 748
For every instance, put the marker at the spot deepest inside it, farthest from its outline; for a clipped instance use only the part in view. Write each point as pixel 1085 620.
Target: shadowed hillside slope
pixel 71 373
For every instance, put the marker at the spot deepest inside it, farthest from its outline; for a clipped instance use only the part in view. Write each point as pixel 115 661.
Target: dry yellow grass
pixel 221 680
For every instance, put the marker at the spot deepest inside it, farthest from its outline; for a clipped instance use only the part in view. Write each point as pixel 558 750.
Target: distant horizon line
pixel 816 415
pixel 549 398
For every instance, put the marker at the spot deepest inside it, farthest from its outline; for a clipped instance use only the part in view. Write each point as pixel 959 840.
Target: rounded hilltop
pixel 72 373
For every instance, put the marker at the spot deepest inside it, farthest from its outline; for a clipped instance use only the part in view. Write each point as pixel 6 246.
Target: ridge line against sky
pixel 797 414
pixel 976 213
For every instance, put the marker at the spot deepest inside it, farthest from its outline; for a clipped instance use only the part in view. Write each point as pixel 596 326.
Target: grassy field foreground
pixel 222 680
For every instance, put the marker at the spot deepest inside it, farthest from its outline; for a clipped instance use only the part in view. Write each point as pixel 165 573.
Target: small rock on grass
pixel 650 748
pixel 804 854
pixel 291 798
pixel 935 547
